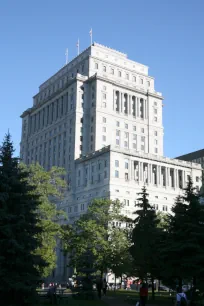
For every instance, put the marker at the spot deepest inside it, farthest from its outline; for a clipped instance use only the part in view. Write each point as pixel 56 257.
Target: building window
pixel 156 150
pixel 142 138
pixel 156 206
pixel 155 133
pixel 126 165
pixel 104 119
pixel 141 81
pixel 197 179
pixel 117 123
pixel 126 126
pixel 127 76
pixel 104 138
pixel 155 103
pixel 134 78
pixel 119 74
pixel 105 174
pixel 96 65
pixel 155 119
pixel 105 163
pixel 126 144
pixel 104 68
pixel 104 96
pixel 104 104
pixel 104 87
pixel 134 145
pixel 155 141
pixel 82 206
pixel 134 137
pixel 134 128
pixel 126 176
pixel 91 129
pixel 117 132
pixel 112 71
pixel 142 147
pixel 155 110
pixel 104 129
pixel 126 134
pixel 117 142
pixel 165 208
pixel 116 163
pixel 142 130
pixel 117 173
pixel 148 83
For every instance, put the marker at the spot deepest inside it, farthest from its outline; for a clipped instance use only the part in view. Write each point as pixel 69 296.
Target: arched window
pixel 104 68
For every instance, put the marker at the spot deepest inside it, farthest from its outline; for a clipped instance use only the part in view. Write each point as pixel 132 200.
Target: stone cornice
pixel 113 82
pixel 147 156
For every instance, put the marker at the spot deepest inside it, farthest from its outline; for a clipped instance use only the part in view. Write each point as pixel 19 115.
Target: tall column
pixel 167 176
pixel 130 104
pixel 176 178
pixel 145 109
pixel 184 178
pixel 121 102
pixel 149 173
pixel 114 100
pixel 138 107
pixel 158 175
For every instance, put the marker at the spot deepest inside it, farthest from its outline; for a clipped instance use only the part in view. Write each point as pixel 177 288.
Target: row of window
pixel 120 74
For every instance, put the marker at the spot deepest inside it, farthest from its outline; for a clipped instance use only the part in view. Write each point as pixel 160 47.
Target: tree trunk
pixel 194 282
pixel 180 284
pixel 153 292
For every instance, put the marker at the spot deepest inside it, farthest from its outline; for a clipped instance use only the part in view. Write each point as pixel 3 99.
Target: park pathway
pixel 114 301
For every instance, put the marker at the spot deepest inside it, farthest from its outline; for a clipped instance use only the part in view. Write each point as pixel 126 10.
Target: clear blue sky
pixel 168 36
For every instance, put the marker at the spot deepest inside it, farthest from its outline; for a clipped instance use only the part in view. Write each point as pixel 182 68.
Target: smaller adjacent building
pixel 196 157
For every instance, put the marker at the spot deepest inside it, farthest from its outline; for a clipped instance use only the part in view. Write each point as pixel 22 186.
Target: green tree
pixel 19 231
pixel 146 239
pixel 93 232
pixel 50 187
pixel 184 247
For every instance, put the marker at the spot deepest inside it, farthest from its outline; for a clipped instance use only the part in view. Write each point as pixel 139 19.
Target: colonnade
pixel 130 104
pixel 159 175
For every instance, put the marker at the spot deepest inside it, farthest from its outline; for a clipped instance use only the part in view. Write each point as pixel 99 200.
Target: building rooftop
pixel 192 155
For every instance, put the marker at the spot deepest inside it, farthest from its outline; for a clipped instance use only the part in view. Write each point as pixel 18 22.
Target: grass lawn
pixel 72 302
pixel 131 296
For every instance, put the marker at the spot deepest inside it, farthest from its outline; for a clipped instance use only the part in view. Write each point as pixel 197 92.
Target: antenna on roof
pixel 90 33
pixel 77 47
pixel 66 54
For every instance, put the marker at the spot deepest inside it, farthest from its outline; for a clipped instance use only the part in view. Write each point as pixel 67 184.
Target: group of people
pixel 181 299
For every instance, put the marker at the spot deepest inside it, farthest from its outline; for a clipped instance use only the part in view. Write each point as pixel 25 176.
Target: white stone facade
pixel 101 118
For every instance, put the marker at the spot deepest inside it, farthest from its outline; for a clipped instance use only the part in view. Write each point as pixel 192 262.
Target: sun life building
pixel 100 118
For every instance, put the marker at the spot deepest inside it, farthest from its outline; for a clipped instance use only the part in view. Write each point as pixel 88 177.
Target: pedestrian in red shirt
pixel 143 294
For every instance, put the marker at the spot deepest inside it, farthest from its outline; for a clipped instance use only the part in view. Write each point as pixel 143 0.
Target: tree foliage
pixel 146 239
pixel 184 246
pixel 49 186
pixel 93 232
pixel 19 231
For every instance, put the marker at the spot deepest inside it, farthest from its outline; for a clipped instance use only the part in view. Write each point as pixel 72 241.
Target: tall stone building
pixel 100 117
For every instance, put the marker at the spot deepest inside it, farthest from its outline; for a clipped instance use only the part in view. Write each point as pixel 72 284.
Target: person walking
pixel 143 294
pixel 104 287
pixel 99 286
pixel 181 299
